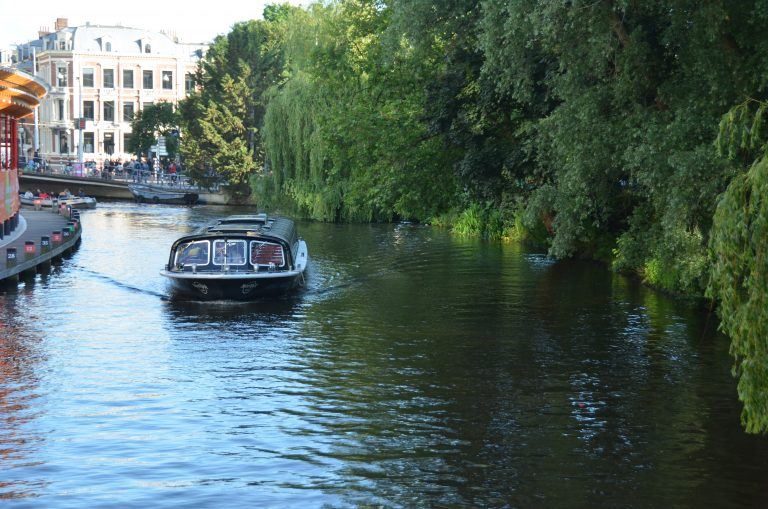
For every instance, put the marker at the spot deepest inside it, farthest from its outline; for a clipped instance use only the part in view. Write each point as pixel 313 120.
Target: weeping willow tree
pixel 297 149
pixel 343 133
pixel 739 245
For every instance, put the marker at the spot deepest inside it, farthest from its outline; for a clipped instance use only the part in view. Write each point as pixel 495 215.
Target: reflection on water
pixel 415 370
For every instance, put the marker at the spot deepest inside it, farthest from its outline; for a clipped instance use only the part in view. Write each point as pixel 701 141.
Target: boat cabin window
pixel 193 253
pixel 231 251
pixel 264 253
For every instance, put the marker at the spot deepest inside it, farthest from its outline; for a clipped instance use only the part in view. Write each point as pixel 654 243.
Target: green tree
pixel 218 139
pixel 343 132
pixel 739 256
pixel 158 119
pixel 222 120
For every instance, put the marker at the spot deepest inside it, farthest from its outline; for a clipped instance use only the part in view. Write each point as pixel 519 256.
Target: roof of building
pixel 122 40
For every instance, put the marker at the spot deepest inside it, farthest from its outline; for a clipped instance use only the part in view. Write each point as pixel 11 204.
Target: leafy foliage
pixel 586 124
pixel 343 132
pixel 222 120
pixel 158 119
pixel 221 135
pixel 740 282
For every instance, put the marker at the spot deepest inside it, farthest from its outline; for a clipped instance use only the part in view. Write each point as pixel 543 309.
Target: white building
pixel 103 74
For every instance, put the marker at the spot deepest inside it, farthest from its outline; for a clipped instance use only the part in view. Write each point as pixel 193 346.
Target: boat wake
pixel 121 284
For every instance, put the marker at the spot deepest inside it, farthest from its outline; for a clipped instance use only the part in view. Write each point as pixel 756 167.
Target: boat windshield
pixel 193 253
pixel 229 252
pixel 264 253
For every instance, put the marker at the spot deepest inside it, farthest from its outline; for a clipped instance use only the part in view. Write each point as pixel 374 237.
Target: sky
pixel 192 21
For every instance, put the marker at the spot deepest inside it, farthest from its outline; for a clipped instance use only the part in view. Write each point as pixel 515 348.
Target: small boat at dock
pixel 159 194
pixel 238 258
pixel 46 200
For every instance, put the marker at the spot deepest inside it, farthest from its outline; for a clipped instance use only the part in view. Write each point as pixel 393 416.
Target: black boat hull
pixel 242 289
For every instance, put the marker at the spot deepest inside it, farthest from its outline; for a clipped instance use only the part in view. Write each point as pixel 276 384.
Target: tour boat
pixel 238 258
pixel 160 194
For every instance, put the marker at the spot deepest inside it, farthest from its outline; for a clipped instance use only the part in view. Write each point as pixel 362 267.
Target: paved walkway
pixel 15 234
pixel 38 224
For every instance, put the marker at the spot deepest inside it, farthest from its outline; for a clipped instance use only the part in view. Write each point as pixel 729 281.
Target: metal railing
pixel 125 175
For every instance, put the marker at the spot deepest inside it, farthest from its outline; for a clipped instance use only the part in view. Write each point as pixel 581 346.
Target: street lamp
pixel 80 123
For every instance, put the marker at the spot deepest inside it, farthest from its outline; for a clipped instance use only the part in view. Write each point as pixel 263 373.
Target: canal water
pixel 416 370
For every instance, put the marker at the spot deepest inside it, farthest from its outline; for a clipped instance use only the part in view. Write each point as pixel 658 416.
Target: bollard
pixel 69 211
pixel 56 237
pixel 45 244
pixel 10 257
pixel 30 250
pixel 71 225
pixel 65 234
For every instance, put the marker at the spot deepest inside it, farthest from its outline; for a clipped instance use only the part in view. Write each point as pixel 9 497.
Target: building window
pixel 61 77
pixel 60 109
pixel 109 78
pixel 63 145
pixel 128 112
pixel 149 79
pixel 126 142
pixel 147 48
pixel 189 83
pixel 62 45
pixel 88 77
pixel 108 46
pixel 109 111
pixel 88 110
pixel 127 78
pixel 109 143
pixel 88 143
pixel 168 80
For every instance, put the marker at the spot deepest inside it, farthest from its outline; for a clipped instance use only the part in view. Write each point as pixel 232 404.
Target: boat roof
pixel 255 225
pixel 244 219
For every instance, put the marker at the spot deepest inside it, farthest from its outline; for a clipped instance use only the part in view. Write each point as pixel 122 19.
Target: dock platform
pixel 39 224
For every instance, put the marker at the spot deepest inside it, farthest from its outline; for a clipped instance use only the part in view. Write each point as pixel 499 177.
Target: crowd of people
pixel 143 170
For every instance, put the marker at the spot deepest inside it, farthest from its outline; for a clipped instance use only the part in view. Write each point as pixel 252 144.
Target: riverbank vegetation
pixel 588 125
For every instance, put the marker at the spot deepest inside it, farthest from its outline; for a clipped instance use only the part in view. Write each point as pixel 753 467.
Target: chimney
pixel 61 23
pixel 43 31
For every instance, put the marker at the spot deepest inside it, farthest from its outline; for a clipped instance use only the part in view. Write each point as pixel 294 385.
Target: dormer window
pixel 105 43
pixel 145 44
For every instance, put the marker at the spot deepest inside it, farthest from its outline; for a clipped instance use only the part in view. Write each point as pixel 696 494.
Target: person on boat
pixel 81 193
pixel 193 253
